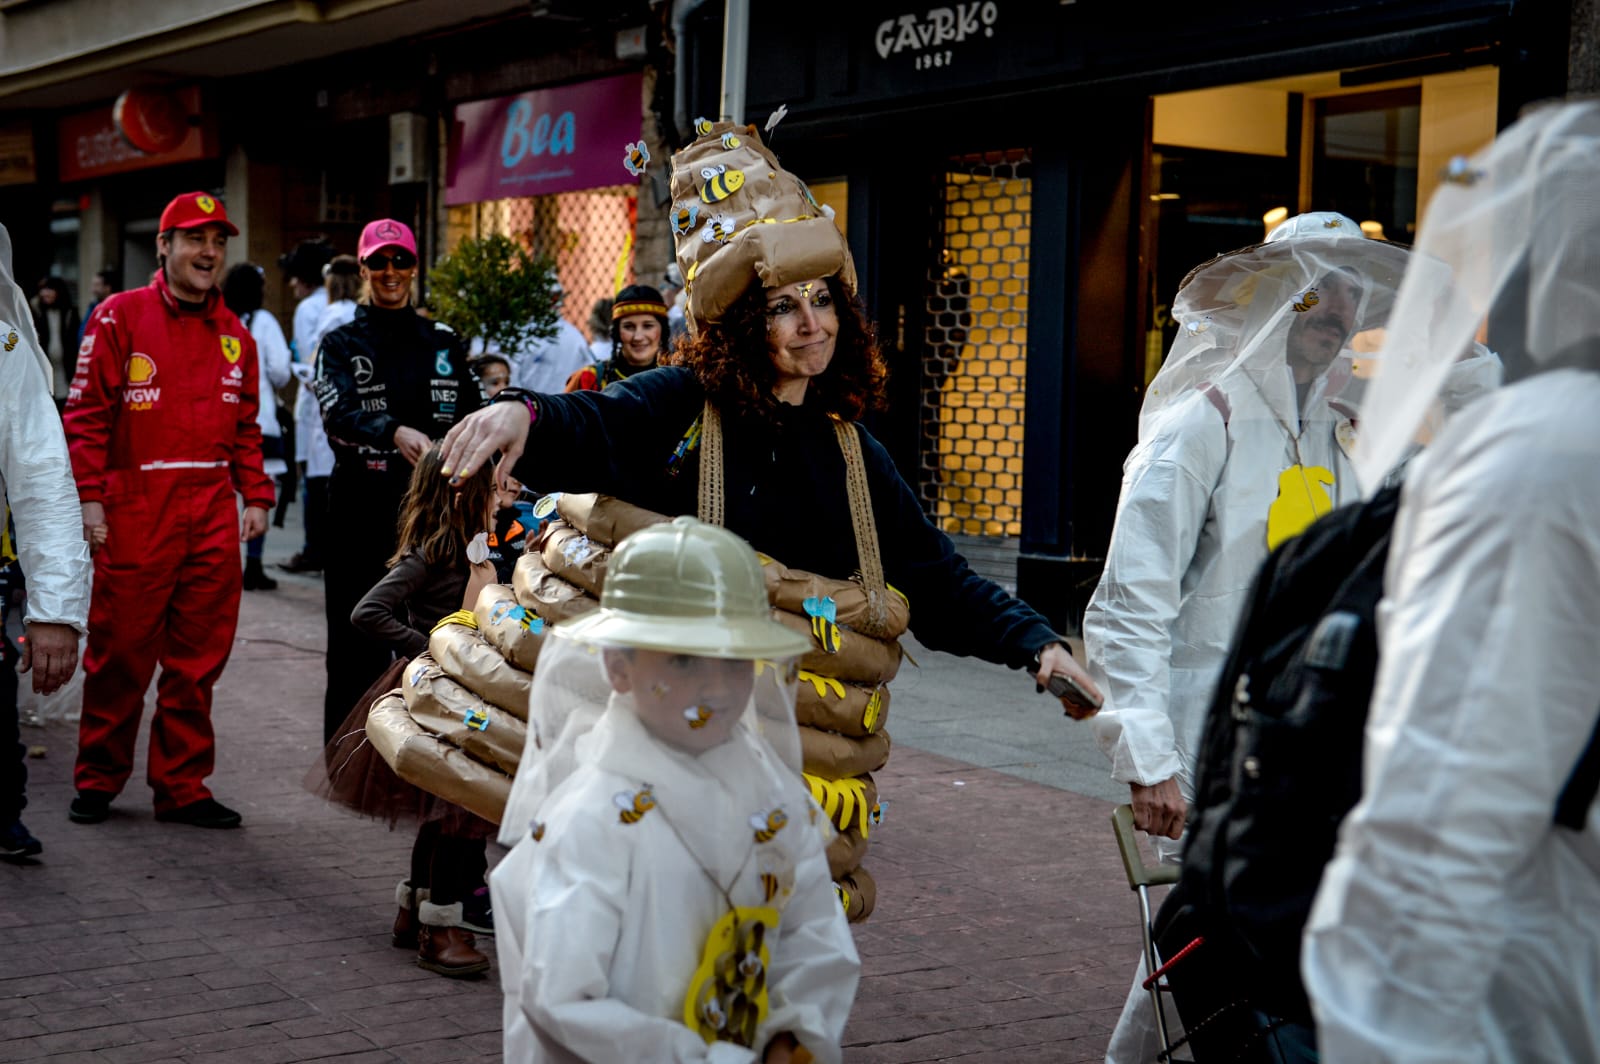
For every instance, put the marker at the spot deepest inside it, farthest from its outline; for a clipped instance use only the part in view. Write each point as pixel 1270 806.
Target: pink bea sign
pixel 548 140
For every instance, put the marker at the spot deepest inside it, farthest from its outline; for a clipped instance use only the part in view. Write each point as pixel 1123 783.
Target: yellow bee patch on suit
pixel 768 825
pixel 634 804
pixel 11 340
pixel 1302 498
pixel 231 348
pixel 727 998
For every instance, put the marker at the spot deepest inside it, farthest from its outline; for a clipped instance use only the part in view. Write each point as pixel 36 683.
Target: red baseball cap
pixel 194 209
pixel 385 233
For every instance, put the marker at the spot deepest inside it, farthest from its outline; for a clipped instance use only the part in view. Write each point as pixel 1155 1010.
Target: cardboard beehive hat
pixel 741 219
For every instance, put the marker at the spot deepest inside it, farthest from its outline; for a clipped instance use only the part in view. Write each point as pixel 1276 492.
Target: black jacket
pixel 784 488
pixel 389 368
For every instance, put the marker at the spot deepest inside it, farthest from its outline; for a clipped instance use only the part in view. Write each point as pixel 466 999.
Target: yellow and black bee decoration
pixel 769 886
pixel 768 825
pixel 1306 301
pixel 731 141
pixel 702 127
pixel 718 230
pixel 11 340
pixel 536 831
pixel 824 614
pixel 634 804
pixel 720 183
pixel 685 217
pixel 637 158
pixel 1333 223
pixel 698 716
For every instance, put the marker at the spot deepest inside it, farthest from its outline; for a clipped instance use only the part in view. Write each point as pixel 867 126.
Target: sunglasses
pixel 379 261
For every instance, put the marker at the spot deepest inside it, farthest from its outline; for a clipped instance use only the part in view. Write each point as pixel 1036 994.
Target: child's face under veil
pixel 688 702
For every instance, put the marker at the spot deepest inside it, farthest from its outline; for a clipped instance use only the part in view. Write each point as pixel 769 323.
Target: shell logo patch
pixel 231 348
pixel 205 203
pixel 141 369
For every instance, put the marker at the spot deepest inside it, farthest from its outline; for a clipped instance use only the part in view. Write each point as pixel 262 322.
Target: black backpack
pixel 1279 766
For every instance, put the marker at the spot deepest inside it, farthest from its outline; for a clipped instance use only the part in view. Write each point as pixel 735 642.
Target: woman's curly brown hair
pixel 733 364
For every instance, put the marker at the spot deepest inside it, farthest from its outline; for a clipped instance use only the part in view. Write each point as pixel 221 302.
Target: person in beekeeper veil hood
pixel 667 897
pixel 1456 921
pixel 1244 439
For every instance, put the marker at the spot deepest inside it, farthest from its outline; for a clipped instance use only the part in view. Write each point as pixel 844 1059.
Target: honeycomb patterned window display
pixel 589 234
pixel 975 350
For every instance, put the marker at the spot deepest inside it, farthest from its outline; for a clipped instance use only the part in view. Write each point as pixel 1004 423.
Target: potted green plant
pixel 492 290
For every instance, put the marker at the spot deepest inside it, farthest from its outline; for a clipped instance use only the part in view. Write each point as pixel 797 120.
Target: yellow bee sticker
pixel 702 126
pixel 536 832
pixel 231 348
pixel 11 340
pixel 720 183
pixel 685 218
pixel 872 716
pixel 1302 498
pixel 1307 301
pixel 634 804
pixel 768 825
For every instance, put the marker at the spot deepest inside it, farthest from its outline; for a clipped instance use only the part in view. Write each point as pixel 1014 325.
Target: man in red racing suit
pixel 161 424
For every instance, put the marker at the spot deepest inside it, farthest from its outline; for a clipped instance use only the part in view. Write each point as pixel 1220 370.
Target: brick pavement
pixel 1004 930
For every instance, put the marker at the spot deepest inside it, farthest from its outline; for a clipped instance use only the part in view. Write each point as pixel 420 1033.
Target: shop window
pixel 974 356
pixel 1364 159
pixel 589 234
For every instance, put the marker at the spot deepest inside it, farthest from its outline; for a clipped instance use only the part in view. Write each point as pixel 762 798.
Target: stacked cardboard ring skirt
pixel 458 723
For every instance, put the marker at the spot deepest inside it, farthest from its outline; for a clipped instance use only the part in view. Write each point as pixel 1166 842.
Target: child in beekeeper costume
pixel 669 899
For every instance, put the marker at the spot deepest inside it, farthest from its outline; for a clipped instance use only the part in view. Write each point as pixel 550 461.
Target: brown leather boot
pixel 406 923
pixel 444 947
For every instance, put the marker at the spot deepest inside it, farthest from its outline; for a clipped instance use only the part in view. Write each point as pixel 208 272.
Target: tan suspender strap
pixel 711 466
pixel 867 547
pixel 855 481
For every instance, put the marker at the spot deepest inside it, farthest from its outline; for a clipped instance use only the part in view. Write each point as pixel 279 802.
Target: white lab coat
pixel 1456 923
pixel 1190 533
pixel 544 365
pixel 601 923
pixel 272 356
pixel 36 478
pixel 307 313
pixel 310 438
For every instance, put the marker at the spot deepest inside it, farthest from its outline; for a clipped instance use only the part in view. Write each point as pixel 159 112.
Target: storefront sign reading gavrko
pixel 940 26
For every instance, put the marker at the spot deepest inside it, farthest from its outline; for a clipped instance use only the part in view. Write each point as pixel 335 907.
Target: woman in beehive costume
pixel 753 425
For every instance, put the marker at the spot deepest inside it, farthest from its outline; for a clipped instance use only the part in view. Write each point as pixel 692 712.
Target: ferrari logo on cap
pixel 205 203
pixel 231 348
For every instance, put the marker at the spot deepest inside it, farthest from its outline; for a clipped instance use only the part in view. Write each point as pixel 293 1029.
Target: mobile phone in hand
pixel 1065 687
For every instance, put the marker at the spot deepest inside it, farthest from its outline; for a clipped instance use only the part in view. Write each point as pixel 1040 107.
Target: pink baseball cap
pixel 384 233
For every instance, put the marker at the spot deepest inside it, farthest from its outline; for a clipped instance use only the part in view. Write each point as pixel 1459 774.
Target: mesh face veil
pixel 1510 243
pixel 14 306
pixel 1302 304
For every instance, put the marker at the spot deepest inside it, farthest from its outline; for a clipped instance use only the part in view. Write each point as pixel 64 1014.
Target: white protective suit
pixel 35 473
pixel 272 355
pixel 1456 921
pixel 601 922
pixel 310 438
pixel 544 365
pixel 1221 424
pixel 1228 445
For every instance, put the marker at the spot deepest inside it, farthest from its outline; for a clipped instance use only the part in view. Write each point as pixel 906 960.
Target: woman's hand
pixel 1055 658
pixel 95 529
pixel 474 440
pixel 411 443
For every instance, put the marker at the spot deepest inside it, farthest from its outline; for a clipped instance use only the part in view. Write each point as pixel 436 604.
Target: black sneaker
pixel 90 807
pixel 17 841
pixel 301 564
pixel 477 913
pixel 206 813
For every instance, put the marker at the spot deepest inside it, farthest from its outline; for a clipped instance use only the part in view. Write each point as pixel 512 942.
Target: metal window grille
pixel 589 234
pixel 975 354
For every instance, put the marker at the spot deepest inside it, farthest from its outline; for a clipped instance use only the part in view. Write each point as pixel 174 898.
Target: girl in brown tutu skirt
pixel 444 899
